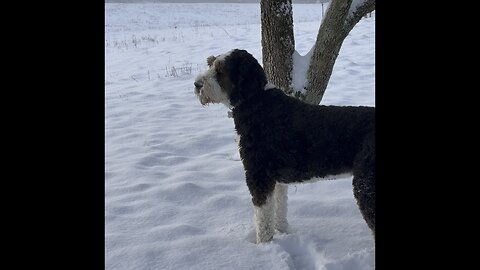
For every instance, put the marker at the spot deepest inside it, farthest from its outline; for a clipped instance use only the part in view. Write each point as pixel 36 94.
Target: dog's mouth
pixel 203 100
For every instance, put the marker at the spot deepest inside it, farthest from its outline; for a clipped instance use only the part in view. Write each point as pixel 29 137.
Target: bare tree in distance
pixel 278 44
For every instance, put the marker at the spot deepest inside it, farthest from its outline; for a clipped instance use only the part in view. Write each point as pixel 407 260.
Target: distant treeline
pixel 208 1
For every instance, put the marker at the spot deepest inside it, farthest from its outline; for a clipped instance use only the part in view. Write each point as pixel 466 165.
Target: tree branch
pixel 362 9
pixel 341 17
pixel 329 41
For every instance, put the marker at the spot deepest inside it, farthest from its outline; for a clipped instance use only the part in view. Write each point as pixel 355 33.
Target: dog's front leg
pixel 264 218
pixel 262 189
pixel 280 198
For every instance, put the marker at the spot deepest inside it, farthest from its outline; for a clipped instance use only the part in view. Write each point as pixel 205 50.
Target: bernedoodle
pixel 284 140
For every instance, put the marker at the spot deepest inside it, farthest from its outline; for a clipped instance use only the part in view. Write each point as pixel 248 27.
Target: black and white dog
pixel 284 140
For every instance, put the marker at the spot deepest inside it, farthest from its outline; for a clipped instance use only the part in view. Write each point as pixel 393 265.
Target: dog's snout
pixel 198 84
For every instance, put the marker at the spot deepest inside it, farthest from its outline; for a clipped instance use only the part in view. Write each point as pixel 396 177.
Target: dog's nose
pixel 198 84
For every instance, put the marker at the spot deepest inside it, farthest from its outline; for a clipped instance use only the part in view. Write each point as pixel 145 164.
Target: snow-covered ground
pixel 175 192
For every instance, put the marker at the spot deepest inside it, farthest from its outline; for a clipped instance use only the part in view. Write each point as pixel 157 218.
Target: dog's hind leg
pixel 365 196
pixel 280 197
pixel 364 183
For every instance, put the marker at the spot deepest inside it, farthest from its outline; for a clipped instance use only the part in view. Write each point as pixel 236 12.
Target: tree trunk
pixel 338 22
pixel 329 41
pixel 278 42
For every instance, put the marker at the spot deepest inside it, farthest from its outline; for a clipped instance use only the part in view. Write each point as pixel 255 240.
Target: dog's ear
pixel 219 66
pixel 246 74
pixel 210 60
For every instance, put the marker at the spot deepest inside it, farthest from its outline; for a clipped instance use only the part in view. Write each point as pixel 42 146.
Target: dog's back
pixel 298 141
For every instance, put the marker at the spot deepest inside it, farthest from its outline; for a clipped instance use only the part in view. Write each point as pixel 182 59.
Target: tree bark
pixel 278 42
pixel 329 41
pixel 338 22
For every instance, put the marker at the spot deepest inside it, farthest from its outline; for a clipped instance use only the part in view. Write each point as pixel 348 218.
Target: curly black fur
pixel 239 64
pixel 283 139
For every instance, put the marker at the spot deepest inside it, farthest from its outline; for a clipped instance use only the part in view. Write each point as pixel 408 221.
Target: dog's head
pixel 232 78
